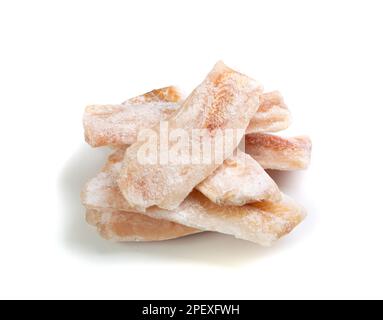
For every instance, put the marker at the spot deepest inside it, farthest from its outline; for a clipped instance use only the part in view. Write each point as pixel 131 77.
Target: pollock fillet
pixel 272 115
pixel 225 100
pixel 263 222
pixel 278 153
pixel 239 180
pixel 129 226
pixel 102 191
pixel 118 125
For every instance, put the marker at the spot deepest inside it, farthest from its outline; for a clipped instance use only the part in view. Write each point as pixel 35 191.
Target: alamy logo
pixel 187 146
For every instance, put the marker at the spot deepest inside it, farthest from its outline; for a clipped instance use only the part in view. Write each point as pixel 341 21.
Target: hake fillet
pixel 236 182
pixel 239 180
pixel 262 222
pixel 129 226
pixel 102 191
pixel 118 125
pixel 225 100
pixel 272 115
pixel 278 153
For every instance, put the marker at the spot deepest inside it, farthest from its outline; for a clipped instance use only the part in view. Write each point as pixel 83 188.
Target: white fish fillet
pixel 262 222
pixel 102 191
pixel 225 100
pixel 272 115
pixel 236 182
pixel 239 180
pixel 118 125
pixel 278 153
pixel 129 226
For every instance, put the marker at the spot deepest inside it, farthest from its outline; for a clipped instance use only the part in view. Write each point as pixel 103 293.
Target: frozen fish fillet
pixel 225 100
pixel 130 226
pixel 118 125
pixel 239 180
pixel 102 191
pixel 273 114
pixel 278 153
pixel 262 222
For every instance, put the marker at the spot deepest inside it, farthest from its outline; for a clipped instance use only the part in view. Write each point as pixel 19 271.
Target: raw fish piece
pixel 272 115
pixel 226 99
pixel 239 180
pixel 278 153
pixel 117 125
pixel 130 226
pixel 262 222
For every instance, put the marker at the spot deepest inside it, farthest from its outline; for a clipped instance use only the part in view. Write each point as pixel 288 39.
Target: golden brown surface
pixel 166 94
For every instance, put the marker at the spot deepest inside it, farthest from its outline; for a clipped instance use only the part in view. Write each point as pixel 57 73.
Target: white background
pixel 58 56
